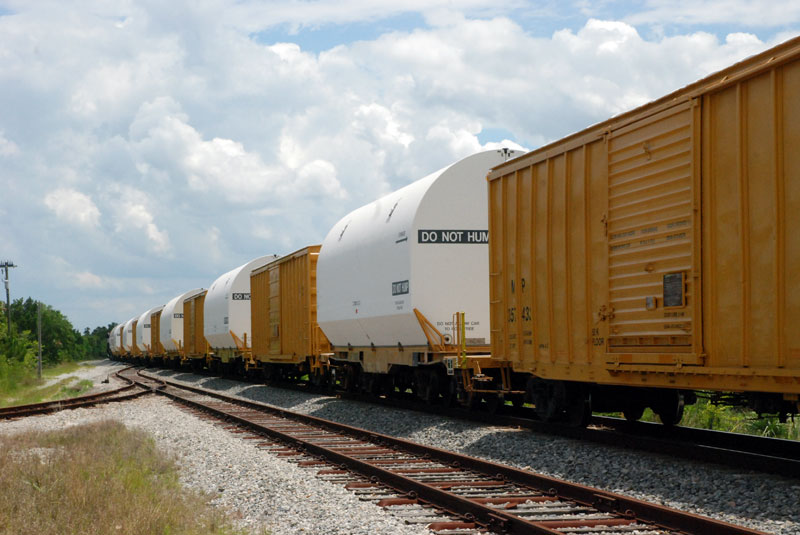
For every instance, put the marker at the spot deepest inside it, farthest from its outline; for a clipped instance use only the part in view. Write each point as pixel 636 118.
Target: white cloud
pixel 87 279
pixel 140 218
pixel 319 178
pixel 190 144
pixel 752 13
pixel 7 147
pixel 73 207
pixel 134 220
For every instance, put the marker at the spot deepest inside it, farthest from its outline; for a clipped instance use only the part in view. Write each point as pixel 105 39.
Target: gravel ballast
pixel 259 489
pixel 759 501
pixel 267 491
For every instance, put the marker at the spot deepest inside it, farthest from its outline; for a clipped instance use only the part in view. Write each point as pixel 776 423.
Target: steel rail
pixel 761 454
pixel 87 400
pixel 755 453
pixel 622 509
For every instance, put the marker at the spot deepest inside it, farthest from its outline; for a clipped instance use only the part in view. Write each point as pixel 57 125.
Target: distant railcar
pixel 129 348
pixel 171 331
pixel 226 321
pixel 287 341
pixel 196 348
pixel 144 336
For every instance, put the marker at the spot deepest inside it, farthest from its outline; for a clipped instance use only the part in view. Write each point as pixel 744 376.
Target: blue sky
pixel 147 147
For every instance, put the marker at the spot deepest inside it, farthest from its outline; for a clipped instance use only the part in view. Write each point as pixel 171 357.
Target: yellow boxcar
pixel 656 249
pixel 283 305
pixel 136 352
pixel 156 348
pixel 195 344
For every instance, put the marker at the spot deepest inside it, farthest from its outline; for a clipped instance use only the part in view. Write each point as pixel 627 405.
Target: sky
pixel 147 147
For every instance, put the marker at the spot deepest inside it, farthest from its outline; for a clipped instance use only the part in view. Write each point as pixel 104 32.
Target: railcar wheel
pixel 548 398
pixel 317 378
pixel 450 392
pixel 427 382
pixel 494 402
pixel 669 408
pixel 633 413
pixel 578 405
pixel 267 373
pixel 350 378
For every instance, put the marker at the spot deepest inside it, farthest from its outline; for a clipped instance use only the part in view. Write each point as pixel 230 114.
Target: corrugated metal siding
pixel 193 336
pixel 650 233
pixel 694 199
pixel 542 247
pixel 275 311
pixel 751 213
pixel 259 311
pixel 285 309
pixel 134 348
pixel 155 330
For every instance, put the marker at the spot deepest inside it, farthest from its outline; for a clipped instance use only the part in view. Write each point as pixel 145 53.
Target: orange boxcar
pixel 195 344
pixel 283 304
pixel 657 249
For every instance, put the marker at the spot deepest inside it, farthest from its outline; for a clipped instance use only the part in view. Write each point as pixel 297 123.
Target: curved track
pixel 123 393
pixel 452 492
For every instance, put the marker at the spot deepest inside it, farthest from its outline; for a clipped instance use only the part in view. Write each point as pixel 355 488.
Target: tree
pixel 17 355
pixel 60 341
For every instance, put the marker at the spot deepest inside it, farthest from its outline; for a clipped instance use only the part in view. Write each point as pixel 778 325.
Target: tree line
pixel 60 340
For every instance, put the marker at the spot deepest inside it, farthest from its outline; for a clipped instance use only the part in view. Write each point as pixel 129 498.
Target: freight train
pixel 629 265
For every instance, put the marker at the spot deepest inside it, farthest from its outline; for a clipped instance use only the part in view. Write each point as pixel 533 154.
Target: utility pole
pixel 5 265
pixel 39 328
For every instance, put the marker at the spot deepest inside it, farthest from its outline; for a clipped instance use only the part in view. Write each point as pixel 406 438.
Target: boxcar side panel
pixel 547 254
pixel 259 311
pixel 155 333
pixel 194 339
pixel 751 213
pixel 651 222
pixel 788 191
pixel 660 248
pixel 284 309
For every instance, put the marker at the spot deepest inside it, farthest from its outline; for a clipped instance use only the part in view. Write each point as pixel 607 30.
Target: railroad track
pixel 762 454
pixel 130 391
pixel 452 493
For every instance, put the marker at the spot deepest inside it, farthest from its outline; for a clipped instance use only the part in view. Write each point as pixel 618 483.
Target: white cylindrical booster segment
pixel 226 311
pixel 143 330
pixel 171 334
pixel 127 335
pixel 118 330
pixel 424 246
pixel 113 337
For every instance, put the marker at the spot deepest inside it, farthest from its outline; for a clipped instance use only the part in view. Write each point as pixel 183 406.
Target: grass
pixel 706 415
pixel 98 479
pixel 29 389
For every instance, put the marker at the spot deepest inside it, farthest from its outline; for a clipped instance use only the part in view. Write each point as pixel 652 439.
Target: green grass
pixel 60 369
pixel 101 479
pixel 29 389
pixel 705 415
